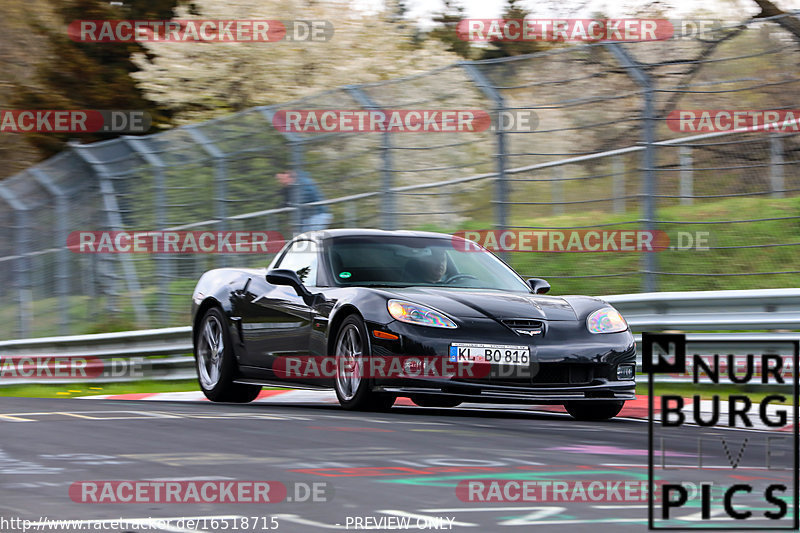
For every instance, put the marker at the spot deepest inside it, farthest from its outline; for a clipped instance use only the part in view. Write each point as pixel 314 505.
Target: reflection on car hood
pixel 489 303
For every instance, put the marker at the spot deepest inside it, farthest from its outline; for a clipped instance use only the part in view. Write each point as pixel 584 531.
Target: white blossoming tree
pixel 201 80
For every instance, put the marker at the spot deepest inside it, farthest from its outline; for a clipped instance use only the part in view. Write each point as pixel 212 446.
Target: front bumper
pixel 488 393
pixel 568 364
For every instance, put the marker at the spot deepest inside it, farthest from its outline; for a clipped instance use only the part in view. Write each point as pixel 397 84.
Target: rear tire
pixel 588 410
pixel 215 364
pixel 434 401
pixel 352 352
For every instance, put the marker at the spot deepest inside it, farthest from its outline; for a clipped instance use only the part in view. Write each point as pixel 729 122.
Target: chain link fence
pixel 603 156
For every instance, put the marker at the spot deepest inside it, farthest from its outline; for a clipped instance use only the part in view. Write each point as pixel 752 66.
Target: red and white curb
pixel 636 409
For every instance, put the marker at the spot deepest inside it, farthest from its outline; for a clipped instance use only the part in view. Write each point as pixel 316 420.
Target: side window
pixel 302 258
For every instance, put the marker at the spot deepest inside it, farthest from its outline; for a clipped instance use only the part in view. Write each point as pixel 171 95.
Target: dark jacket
pixel 304 191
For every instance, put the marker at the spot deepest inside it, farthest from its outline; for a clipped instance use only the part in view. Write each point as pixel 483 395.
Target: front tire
pixel 593 410
pixel 351 351
pixel 216 367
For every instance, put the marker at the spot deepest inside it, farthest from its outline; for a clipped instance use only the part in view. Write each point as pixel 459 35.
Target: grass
pixel 91 389
pixel 691 269
pixel 71 390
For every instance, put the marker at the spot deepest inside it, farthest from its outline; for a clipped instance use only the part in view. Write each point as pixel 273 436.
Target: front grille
pixel 518 325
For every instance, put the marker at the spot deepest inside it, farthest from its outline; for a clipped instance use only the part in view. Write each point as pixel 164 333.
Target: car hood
pixel 489 303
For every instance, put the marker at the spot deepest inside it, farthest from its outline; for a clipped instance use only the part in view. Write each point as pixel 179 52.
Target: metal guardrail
pixel 165 353
pixel 756 309
pixel 153 354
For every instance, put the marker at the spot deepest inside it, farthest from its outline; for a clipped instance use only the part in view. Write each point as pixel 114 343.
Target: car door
pixel 276 322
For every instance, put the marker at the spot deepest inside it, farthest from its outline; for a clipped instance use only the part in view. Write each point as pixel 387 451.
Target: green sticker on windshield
pixel 344 275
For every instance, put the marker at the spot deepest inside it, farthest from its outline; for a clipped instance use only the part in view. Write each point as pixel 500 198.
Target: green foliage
pixel 447 23
pixel 69 390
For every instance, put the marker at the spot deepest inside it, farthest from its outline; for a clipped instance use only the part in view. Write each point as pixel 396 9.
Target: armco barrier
pixel 747 314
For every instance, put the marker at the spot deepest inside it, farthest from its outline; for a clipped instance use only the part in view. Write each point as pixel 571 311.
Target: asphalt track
pixel 381 468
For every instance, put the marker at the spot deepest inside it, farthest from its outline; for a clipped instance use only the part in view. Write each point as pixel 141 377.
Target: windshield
pixel 417 261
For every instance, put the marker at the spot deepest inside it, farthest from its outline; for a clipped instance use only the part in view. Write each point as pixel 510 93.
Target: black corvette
pixel 377 314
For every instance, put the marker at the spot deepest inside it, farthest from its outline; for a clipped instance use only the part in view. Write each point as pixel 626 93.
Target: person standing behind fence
pixel 300 189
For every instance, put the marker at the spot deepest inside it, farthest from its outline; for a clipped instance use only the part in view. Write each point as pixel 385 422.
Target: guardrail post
pixel 62 275
pixel 776 165
pixel 618 183
pixel 22 268
pixel 388 208
pixel 501 184
pixel 687 180
pixel 635 70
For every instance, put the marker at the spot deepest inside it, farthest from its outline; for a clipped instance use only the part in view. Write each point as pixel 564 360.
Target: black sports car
pixel 380 314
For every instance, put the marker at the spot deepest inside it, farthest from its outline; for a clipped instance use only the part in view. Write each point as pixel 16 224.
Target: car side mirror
pixel 284 276
pixel 539 285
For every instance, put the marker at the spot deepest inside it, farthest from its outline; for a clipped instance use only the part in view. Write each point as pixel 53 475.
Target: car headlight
pixel 606 320
pixel 419 314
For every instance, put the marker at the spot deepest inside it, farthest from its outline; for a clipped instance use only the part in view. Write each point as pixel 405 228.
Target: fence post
pixel 163 261
pixel 220 181
pixel 296 163
pixel 299 211
pixel 60 242
pixel 687 179
pixel 776 166
pixel 114 218
pixel 635 70
pixel 618 183
pixel 387 218
pixel 501 184
pixel 557 190
pixel 351 215
pixel 22 270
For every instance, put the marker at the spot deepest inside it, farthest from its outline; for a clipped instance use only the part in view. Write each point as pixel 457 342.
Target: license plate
pixel 495 354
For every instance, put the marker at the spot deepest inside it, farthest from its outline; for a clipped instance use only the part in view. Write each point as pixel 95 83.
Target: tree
pixel 74 75
pixel 789 23
pixel 196 81
pixel 446 30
